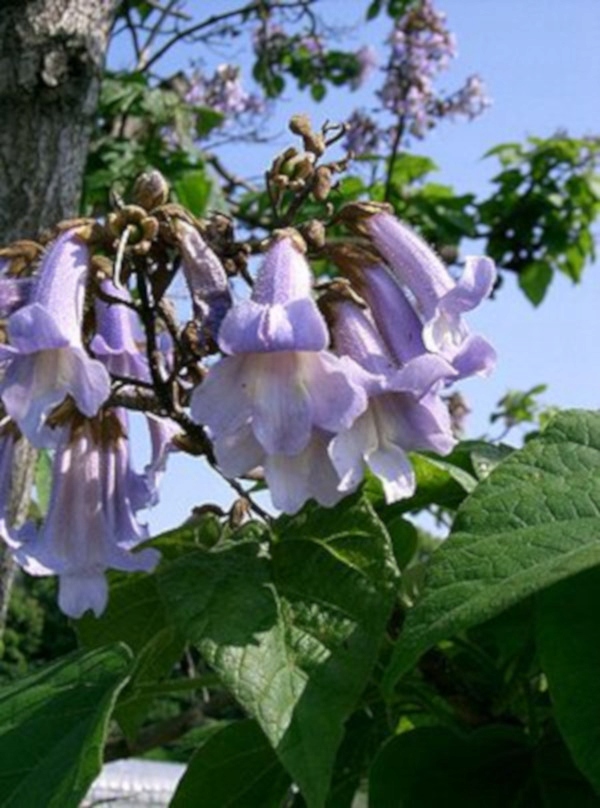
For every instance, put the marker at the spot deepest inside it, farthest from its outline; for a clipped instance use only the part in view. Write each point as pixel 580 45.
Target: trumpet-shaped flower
pixel 116 342
pixel 90 526
pixel 439 301
pixel 271 400
pixel 46 357
pixel 14 291
pixel 404 413
pixel 207 282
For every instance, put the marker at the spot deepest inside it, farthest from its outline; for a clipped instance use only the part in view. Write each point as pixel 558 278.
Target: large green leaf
pixel 235 768
pixel 136 615
pixel 293 628
pixel 532 522
pixel 53 725
pixel 493 767
pixel 567 637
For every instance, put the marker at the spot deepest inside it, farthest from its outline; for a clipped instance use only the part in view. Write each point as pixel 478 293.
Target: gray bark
pixel 51 58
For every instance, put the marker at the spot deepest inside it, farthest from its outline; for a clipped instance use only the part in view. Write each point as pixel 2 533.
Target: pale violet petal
pixel 287 478
pixel 221 401
pixel 336 386
pixel 474 285
pixel 238 452
pixel 78 593
pixel 250 327
pixel 89 382
pixel 421 374
pixel 475 357
pixel 308 475
pixel 284 274
pixel 349 449
pixel 391 465
pixel 412 260
pixel 33 328
pixel 281 411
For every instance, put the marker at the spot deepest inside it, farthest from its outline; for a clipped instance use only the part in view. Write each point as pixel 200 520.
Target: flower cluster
pixel 223 92
pixel 313 418
pixel 306 392
pixel 421 47
pixel 54 393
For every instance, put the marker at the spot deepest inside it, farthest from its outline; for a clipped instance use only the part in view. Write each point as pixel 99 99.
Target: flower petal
pixel 284 274
pixel 309 474
pixel 33 328
pixel 391 465
pixel 251 327
pixel 281 405
pixel 474 285
pixel 337 390
pixel 221 402
pixel 238 452
pixel 349 449
pixel 475 357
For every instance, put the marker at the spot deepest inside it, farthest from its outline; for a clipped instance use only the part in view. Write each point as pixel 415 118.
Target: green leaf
pixel 535 279
pixel 567 638
pixel 137 616
pixel 43 479
pixel 495 767
pixel 374 9
pixel 236 768
pixel 532 522
pixel 53 725
pixel 293 630
pixel 134 615
pixel 411 167
pixel 193 190
pixel 318 91
pixel 207 119
pixel 361 733
pixel 486 456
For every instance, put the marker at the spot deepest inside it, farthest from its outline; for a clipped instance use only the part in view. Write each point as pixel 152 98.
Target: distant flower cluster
pixel 306 392
pixel 223 92
pixel 422 47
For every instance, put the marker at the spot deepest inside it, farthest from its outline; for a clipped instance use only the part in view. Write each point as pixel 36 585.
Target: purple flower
pixel 363 134
pixel 206 280
pixel 116 342
pixel 90 526
pixel 439 301
pixel 270 401
pixel 14 291
pixel 46 357
pixel 396 320
pixel 404 413
pixel 162 433
pixel 367 60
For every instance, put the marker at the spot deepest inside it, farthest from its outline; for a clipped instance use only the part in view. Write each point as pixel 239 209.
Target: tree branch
pixel 252 8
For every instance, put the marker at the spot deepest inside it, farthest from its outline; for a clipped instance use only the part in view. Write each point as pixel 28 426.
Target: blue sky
pixel 540 61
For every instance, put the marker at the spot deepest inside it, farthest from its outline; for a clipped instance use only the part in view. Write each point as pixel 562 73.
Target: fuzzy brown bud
pixel 300 125
pixel 313 232
pixel 314 142
pixel 151 190
pixel 322 183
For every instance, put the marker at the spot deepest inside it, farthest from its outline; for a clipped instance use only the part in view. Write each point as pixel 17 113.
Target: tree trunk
pixel 51 59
